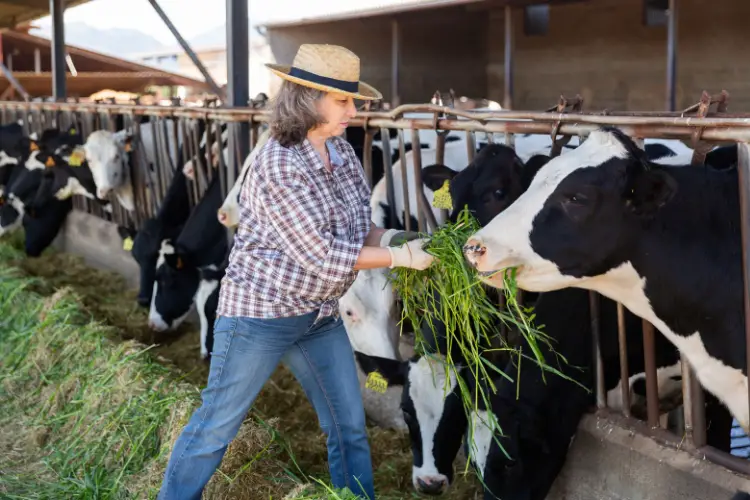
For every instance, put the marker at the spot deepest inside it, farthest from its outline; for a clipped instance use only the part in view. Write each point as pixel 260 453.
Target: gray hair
pixel 294 113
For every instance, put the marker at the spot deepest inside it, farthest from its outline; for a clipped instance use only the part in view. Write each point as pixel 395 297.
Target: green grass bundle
pixel 472 320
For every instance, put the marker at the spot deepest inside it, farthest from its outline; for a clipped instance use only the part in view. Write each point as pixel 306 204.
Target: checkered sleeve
pixel 301 221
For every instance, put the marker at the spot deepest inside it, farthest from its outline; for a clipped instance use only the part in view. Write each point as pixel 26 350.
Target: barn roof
pixel 94 71
pixel 402 6
pixel 15 12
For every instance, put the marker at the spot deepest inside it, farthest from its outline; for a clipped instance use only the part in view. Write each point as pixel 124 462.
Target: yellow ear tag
pixel 376 382
pixel 73 131
pixel 442 197
pixel 76 158
pixel 50 162
pixel 33 146
pixel 127 244
pixel 128 147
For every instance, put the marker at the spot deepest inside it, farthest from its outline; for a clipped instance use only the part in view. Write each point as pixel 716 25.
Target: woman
pixel 304 232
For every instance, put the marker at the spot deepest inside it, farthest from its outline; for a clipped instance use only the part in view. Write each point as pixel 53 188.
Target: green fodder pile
pixel 87 410
pixel 449 291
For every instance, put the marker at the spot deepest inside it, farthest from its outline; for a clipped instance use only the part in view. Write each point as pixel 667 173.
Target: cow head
pixel 368 310
pixel 433 412
pixel 175 287
pixel 108 155
pixel 488 185
pixel 579 214
pixel 144 245
pixel 42 226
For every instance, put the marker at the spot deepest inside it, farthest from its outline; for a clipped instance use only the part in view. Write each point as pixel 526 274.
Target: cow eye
pixel 499 194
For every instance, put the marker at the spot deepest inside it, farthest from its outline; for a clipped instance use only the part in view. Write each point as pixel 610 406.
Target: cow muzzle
pixel 432 485
pixel 489 257
pixel 102 193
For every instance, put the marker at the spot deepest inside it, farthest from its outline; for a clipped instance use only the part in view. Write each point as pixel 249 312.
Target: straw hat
pixel 327 67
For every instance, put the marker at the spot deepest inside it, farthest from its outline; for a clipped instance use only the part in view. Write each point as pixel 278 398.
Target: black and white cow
pixel 110 156
pixel 202 244
pixel 41 226
pixel 189 168
pixel 664 241
pixel 165 225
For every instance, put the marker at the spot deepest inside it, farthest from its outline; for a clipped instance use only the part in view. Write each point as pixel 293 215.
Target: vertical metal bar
pixel 471 145
pixel 37 61
pixel 624 372
pixel 405 181
pixel 601 398
pixel 672 56
pixel 221 165
pixel 508 61
pixel 57 9
pixel 440 159
pixel 417 163
pixel 388 172
pixel 687 398
pixel 652 387
pixel 744 185
pixel 367 156
pixel 395 50
pixel 238 74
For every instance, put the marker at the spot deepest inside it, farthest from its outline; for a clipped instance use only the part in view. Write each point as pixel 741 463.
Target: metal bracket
pixel 563 106
pixel 702 110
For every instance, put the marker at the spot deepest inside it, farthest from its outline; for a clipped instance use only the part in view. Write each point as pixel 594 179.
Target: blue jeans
pixel 246 352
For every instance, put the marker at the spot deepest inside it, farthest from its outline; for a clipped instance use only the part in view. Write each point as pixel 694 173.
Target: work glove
pixel 411 255
pixel 396 237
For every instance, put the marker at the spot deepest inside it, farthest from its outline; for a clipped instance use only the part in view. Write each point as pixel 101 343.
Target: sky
pixel 193 17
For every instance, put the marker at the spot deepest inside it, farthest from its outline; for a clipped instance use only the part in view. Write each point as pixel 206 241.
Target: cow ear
pixel 434 176
pixel 128 143
pixel 393 371
pixel 126 232
pixel 650 190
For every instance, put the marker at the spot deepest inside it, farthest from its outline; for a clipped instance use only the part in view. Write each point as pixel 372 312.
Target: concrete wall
pixel 437 51
pixel 605 52
pixel 601 49
pixel 610 462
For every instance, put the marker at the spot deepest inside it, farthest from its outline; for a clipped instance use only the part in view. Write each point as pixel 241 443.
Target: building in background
pixel 28 57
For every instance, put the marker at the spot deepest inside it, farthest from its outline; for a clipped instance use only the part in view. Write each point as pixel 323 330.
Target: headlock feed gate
pixel 177 135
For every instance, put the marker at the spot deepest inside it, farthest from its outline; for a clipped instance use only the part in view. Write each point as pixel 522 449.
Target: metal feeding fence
pixel 697 126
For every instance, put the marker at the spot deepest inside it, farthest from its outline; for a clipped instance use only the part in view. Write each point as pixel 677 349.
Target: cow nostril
pixel 474 248
pixel 431 486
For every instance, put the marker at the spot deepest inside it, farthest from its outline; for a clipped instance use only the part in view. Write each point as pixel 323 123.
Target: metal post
pixel 37 61
pixel 672 56
pixel 183 43
pixel 57 8
pixel 743 156
pixel 13 82
pixel 238 78
pixel 395 49
pixel 508 64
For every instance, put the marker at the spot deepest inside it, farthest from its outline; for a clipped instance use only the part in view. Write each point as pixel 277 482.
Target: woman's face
pixel 336 111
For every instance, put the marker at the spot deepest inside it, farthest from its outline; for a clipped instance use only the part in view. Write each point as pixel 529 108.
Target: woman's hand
pixel 411 255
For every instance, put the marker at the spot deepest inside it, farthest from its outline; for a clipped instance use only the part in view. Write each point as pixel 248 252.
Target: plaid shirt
pixel 300 232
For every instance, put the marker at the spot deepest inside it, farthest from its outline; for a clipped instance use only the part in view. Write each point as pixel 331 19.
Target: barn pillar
pixel 57 9
pixel 238 76
pixel 672 56
pixel 508 66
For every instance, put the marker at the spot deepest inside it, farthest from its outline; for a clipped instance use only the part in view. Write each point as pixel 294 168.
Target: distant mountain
pixel 117 42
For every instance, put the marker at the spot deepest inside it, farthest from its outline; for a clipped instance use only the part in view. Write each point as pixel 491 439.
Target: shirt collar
pixel 336 160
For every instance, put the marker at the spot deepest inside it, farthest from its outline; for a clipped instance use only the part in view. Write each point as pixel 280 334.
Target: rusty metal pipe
pixel 367 157
pixel 601 397
pixel 388 172
pixel 743 152
pixel 422 205
pixel 405 183
pixel 624 372
pixel 652 388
